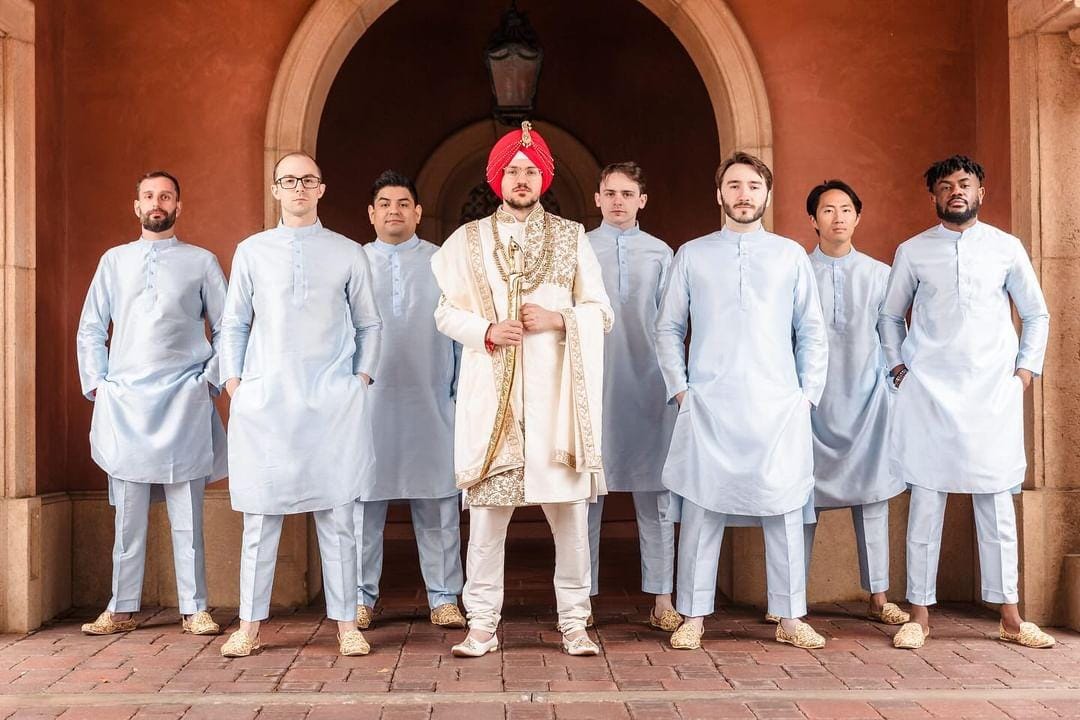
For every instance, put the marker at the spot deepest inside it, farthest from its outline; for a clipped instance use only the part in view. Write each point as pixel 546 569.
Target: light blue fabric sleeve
pixel 236 319
pixel 892 322
pixel 457 369
pixel 1023 288
pixel 365 315
pixel 811 341
pixel 93 333
pixel 214 289
pixel 671 327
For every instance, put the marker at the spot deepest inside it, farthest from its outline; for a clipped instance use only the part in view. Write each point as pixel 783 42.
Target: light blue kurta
pixel 300 323
pixel 637 421
pixel 742 443
pixel 958 423
pixel 154 421
pixel 412 404
pixel 851 422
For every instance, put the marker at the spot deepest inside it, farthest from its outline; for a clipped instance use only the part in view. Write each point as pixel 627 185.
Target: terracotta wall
pixel 868 91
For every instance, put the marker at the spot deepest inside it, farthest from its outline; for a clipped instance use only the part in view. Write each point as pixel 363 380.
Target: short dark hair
pixel 813 200
pixel 158 174
pixel 946 167
pixel 630 169
pixel 295 153
pixel 392 178
pixel 743 158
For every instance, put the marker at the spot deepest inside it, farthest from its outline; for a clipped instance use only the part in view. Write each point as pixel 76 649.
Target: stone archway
pixel 458 162
pixel 707 30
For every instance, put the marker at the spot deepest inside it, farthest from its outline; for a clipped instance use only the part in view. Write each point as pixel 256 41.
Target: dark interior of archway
pixel 614 76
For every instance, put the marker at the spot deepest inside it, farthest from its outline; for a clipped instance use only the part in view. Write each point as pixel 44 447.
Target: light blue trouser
pixel 871 541
pixel 337 551
pixel 184 503
pixel 700 539
pixel 437 526
pixel 995 528
pixel 656 541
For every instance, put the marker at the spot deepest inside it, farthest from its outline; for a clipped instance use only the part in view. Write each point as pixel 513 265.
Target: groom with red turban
pixel 523 294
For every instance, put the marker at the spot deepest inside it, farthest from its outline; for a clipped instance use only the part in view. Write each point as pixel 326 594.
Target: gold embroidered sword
pixel 506 385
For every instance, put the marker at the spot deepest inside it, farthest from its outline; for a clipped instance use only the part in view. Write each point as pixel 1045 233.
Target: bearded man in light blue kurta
pixel 637 421
pixel 155 430
pixel 851 422
pixel 300 337
pixel 414 399
pixel 742 449
pixel 958 426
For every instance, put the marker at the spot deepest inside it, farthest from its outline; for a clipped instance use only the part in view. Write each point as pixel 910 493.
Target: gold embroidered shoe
pixel 770 618
pixel 910 637
pixel 200 624
pixel 471 647
pixel 668 621
pixel 804 637
pixel 352 643
pixel 105 625
pixel 1029 636
pixel 589 622
pixel 364 616
pixel 890 614
pixel 446 615
pixel 581 645
pixel 687 637
pixel 240 645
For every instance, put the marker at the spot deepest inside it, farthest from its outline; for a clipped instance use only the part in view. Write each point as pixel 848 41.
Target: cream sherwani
pixel 550 452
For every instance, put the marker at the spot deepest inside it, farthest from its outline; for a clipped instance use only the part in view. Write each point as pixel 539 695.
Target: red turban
pixel 527 141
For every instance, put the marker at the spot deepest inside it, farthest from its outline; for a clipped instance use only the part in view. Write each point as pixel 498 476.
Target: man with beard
pixel 155 430
pixel 851 422
pixel 413 399
pixel 300 336
pixel 637 422
pixel 523 294
pixel 742 452
pixel 961 374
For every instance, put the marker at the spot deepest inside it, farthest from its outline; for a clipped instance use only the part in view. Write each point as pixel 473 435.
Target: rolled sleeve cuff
pixel 1030 364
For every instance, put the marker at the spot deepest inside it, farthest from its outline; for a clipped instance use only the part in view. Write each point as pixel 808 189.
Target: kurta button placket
pixel 299 287
pixel 744 276
pixel 624 270
pixel 395 277
pixel 839 308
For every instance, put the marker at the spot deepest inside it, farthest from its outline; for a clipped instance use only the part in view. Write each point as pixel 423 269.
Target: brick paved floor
pixel 155 672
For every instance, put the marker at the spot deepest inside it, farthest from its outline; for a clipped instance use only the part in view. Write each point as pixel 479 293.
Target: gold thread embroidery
pixel 581 396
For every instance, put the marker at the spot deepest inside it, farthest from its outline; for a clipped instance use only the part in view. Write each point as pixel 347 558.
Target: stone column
pixel 1044 76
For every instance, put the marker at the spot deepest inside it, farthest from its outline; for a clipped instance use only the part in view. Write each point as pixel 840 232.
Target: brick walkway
pixel 155 672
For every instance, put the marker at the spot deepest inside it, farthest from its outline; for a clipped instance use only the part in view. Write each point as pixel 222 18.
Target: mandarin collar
pixel 727 233
pixel 391 248
pixel 504 217
pixel 827 259
pixel 955 235
pixel 299 233
pixel 158 244
pixel 611 231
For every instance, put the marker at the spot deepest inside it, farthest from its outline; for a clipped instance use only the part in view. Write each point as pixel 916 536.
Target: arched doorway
pixel 706 29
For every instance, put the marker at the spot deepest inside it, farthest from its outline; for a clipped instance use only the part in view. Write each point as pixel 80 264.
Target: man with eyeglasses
pixel 155 430
pixel 300 337
pixel 523 294
pixel 414 399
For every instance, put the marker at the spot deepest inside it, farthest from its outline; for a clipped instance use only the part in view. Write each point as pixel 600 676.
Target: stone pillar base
pixel 35 563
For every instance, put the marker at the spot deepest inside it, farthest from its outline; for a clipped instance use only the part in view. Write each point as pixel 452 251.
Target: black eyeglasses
pixel 288 182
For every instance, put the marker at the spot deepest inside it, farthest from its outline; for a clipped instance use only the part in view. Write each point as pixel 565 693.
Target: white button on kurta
pixel 742 442
pixel 958 421
pixel 851 422
pixel 153 420
pixel 300 322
